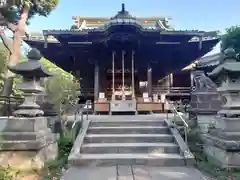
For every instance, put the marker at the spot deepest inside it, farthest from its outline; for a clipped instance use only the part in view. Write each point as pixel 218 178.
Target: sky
pixel 207 15
pixel 186 14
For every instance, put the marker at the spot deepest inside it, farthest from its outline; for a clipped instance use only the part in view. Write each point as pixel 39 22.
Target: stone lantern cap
pixel 32 67
pixel 229 64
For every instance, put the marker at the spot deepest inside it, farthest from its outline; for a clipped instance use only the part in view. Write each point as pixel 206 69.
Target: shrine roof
pixel 84 25
pixel 229 63
pixel 51 35
pixel 61 55
pixel 233 67
pixel 99 28
pixel 211 60
pixel 87 31
pixel 123 27
pixel 206 62
pixel 98 22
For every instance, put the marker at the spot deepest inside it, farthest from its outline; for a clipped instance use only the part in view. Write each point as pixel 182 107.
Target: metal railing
pixel 158 88
pixel 155 89
pixel 174 88
pixel 81 110
pixel 178 116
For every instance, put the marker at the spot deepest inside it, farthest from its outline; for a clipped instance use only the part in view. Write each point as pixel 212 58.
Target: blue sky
pixel 205 15
pixel 187 14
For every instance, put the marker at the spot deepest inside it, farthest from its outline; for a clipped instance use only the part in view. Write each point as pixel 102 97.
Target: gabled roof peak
pixel 123 7
pixel 123 14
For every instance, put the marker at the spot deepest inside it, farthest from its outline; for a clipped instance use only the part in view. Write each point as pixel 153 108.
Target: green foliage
pixel 40 7
pixel 8 173
pixel 209 166
pixel 3 57
pixel 65 144
pixel 54 169
pixel 3 68
pixel 62 88
pixel 231 39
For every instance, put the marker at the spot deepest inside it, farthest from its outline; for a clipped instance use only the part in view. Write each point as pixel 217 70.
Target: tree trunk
pixel 8 82
pixel 16 51
pixel 17 38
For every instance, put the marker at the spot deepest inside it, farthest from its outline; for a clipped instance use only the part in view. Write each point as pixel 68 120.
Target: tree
pixel 14 16
pixel 231 39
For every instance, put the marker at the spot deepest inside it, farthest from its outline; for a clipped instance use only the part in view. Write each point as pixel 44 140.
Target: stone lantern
pixel 205 100
pixel 31 71
pixel 222 143
pixel 26 141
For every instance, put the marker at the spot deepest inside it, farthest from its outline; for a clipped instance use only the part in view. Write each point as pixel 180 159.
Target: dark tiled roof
pixel 211 60
pixel 228 66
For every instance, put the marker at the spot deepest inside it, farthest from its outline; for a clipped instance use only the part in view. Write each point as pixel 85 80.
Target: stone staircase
pixel 129 141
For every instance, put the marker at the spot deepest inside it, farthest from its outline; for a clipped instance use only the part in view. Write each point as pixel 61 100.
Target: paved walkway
pixel 133 173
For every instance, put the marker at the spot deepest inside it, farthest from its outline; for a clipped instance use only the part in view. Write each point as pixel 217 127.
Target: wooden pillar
pixel 149 81
pixel 200 42
pixel 133 74
pixel 96 81
pixel 169 83
pixel 192 79
pixel 171 79
pixel 123 75
pixel 45 41
pixel 113 75
pixel 102 78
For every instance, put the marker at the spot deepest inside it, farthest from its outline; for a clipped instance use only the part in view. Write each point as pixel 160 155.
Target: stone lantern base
pixel 204 121
pixel 27 143
pixel 223 148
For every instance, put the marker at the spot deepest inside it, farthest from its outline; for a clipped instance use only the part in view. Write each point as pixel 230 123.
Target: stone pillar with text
pixel 26 140
pixel 222 143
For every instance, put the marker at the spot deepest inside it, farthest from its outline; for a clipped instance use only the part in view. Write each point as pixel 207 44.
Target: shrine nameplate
pixel 123 106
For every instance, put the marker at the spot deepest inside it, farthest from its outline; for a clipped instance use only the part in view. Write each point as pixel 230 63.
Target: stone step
pixel 129 130
pixel 125 122
pixel 95 148
pixel 152 159
pixel 128 138
pixel 18 136
pixel 19 145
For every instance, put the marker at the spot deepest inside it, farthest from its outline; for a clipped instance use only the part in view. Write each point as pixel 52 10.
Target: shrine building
pixel 125 63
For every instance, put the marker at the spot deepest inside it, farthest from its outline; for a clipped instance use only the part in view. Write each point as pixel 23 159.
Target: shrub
pixel 8 173
pixel 62 89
